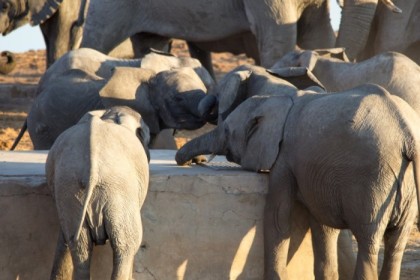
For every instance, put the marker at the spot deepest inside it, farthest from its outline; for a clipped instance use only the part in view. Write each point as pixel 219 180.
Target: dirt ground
pixel 17 92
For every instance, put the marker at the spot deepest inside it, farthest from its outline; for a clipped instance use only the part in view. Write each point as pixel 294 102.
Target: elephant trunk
pixel 416 164
pixel 356 20
pixel 9 64
pixel 202 145
pixel 208 108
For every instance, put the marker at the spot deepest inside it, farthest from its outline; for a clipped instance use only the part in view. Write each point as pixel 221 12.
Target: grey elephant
pixel 61 23
pixel 351 158
pixel 395 32
pixel 398 74
pixel 274 23
pixel 357 17
pixel 167 99
pixel 98 173
pixel 70 88
pixel 8 62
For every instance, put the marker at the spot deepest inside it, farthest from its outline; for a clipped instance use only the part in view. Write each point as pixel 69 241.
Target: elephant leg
pixel 203 56
pixel 277 222
pixel 324 243
pixel 125 238
pixel 395 241
pixel 274 26
pixel 81 253
pixel 63 266
pixel 368 240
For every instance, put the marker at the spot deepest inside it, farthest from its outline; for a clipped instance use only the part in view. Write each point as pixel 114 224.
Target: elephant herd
pixel 338 137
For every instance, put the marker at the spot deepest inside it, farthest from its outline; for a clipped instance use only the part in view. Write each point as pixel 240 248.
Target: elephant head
pixel 356 20
pixel 259 119
pixel 9 64
pixel 246 81
pixel 308 58
pixel 168 99
pixel 15 13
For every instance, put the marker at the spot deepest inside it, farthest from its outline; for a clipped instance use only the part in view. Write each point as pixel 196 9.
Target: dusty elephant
pixel 7 62
pixel 373 184
pixel 167 99
pixel 398 74
pixel 98 173
pixel 356 20
pixel 274 23
pixel 61 24
pixel 246 81
pixel 395 32
pixel 70 88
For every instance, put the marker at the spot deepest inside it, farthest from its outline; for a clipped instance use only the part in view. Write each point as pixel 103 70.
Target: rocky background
pixel 17 91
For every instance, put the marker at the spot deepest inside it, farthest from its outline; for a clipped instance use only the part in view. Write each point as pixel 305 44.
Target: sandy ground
pixel 17 92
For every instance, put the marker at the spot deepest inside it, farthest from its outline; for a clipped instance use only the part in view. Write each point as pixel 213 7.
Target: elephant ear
pixel 264 130
pixel 300 77
pixel 129 86
pixel 41 10
pixel 232 91
pixel 339 53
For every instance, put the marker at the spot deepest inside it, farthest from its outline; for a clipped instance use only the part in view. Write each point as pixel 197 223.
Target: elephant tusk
pixel 390 5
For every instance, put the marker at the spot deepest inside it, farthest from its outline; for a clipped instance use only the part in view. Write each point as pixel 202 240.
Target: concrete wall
pixel 199 223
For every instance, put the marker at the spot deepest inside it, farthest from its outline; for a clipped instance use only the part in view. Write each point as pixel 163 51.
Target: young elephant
pixel 395 72
pixel 98 173
pixel 352 158
pixel 168 99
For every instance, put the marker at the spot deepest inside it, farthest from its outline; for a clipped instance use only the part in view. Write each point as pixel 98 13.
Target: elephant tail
pixel 92 183
pixel 21 132
pixel 416 164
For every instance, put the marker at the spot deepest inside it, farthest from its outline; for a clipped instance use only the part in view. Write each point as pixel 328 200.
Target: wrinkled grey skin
pixel 7 62
pixel 167 99
pixel 61 24
pixel 356 21
pixel 70 88
pixel 98 173
pixel 274 23
pixel 342 156
pixel 395 32
pixel 313 31
pixel 246 81
pixel 395 72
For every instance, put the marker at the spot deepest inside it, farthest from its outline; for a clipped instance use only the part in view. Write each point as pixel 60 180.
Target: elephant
pixel 246 81
pixel 395 32
pixel 61 24
pixel 311 34
pixel 94 168
pixel 70 87
pixel 273 23
pixel 9 64
pixel 356 21
pixel 398 74
pixel 167 99
pixel 351 158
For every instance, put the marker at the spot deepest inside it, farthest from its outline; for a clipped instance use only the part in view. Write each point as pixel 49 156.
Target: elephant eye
pixel 5 7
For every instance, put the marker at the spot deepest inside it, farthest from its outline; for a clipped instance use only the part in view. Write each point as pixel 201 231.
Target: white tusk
pixel 390 5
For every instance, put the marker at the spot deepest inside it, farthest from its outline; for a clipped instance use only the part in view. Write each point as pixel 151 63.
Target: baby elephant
pixel 98 173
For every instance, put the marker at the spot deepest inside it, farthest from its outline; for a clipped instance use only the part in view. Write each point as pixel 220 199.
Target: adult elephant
pixel 356 22
pixel 7 62
pixel 395 32
pixel 274 23
pixel 362 175
pixel 61 24
pixel 313 32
